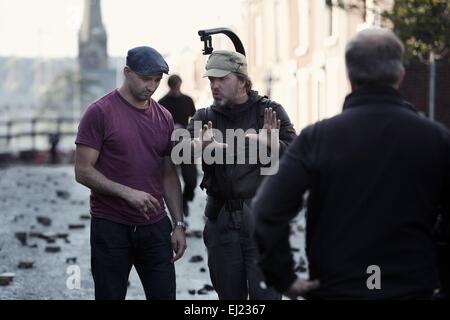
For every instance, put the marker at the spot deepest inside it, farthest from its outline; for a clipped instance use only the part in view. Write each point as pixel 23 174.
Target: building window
pixel 303 27
pixel 258 40
pixel 329 17
pixel 319 95
pixel 321 99
pixel 304 108
pixel 331 22
pixel 372 13
pixel 278 31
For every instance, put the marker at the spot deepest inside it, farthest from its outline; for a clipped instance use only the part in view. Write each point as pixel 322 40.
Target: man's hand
pixel 270 123
pixel 207 137
pixel 300 287
pixel 142 201
pixel 178 243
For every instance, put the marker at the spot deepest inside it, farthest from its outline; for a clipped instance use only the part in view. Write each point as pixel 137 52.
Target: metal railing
pixel 33 130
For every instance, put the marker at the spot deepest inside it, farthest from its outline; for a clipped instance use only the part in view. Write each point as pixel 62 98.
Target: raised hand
pixel 270 123
pixel 207 137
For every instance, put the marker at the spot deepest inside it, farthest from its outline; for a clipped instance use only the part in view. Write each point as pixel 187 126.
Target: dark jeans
pixel 115 248
pixel 189 174
pixel 232 258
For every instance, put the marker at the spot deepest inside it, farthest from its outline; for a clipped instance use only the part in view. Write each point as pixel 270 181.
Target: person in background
pixel 182 108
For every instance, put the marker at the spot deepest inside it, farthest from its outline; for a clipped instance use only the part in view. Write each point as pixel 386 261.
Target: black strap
pixel 210 115
pixel 208 169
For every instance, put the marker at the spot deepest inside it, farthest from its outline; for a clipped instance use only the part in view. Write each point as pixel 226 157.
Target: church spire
pixel 92 37
pixel 96 78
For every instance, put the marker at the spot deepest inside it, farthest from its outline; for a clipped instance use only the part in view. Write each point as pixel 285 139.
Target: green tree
pixel 422 25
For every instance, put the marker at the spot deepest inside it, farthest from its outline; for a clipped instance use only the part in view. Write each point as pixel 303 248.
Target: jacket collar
pixel 376 95
pixel 236 110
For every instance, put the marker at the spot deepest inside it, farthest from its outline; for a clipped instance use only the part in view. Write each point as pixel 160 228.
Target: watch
pixel 181 224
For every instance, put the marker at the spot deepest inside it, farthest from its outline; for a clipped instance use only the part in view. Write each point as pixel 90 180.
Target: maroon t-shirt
pixel 132 144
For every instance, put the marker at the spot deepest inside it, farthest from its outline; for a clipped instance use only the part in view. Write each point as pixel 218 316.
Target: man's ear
pixel 126 71
pixel 353 85
pixel 241 84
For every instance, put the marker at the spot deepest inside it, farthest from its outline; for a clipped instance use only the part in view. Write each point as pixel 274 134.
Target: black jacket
pixel 180 107
pixel 239 181
pixel 377 174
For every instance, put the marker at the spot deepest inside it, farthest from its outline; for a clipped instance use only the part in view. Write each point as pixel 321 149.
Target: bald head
pixel 374 56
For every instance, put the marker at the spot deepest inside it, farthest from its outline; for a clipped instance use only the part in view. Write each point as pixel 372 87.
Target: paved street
pixel 49 208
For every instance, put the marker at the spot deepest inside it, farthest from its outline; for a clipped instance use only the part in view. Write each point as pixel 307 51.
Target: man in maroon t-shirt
pixel 123 156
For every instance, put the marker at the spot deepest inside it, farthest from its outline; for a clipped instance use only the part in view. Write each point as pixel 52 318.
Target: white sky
pixel 49 28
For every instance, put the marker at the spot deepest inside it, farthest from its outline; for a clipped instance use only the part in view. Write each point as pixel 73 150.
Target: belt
pixel 232 205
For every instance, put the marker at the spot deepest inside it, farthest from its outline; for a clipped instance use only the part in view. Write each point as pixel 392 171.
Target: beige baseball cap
pixel 223 62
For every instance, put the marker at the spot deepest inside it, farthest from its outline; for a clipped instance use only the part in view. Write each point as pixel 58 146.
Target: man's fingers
pixel 274 120
pixel 151 204
pixel 306 286
pixel 151 208
pixel 312 285
pixel 269 116
pixel 144 209
pixel 154 202
pixel 178 247
pixel 175 249
pixel 181 250
pixel 216 145
pixel 178 255
pixel 219 145
pixel 300 287
pixel 207 134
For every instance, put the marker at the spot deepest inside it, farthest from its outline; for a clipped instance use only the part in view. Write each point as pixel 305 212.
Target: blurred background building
pixel 295 51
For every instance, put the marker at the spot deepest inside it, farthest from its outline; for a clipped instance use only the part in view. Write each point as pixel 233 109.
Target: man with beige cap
pixel 230 187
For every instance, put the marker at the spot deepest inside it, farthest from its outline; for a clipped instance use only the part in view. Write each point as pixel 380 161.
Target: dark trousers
pixel 189 174
pixel 115 248
pixel 232 258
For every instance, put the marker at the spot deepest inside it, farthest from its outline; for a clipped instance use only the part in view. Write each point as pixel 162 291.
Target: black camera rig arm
pixel 205 36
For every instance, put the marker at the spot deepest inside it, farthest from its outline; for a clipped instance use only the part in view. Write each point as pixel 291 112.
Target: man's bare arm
pixel 174 198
